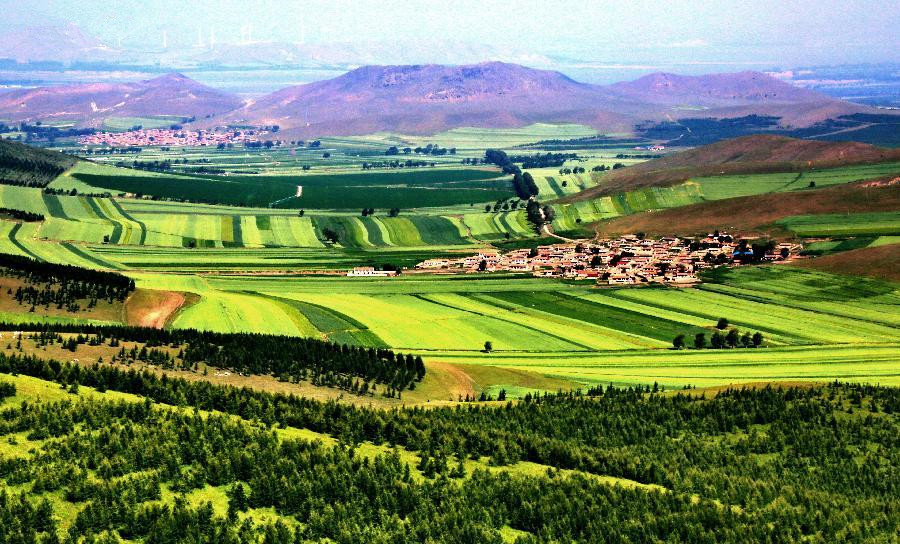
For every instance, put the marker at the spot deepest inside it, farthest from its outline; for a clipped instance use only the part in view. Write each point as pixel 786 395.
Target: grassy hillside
pixel 764 213
pixel 99 451
pixel 881 262
pixel 747 155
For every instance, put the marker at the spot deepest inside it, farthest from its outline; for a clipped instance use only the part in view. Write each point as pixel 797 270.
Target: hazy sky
pixel 769 32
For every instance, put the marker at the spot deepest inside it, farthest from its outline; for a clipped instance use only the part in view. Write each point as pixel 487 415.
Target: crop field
pixel 417 189
pixel 815 325
pixel 121 124
pixel 568 216
pixel 718 187
pixel 710 188
pixel 856 224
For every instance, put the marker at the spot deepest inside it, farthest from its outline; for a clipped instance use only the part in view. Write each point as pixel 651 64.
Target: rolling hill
pixel 89 104
pixel 746 155
pixel 882 262
pixel 759 213
pixel 426 99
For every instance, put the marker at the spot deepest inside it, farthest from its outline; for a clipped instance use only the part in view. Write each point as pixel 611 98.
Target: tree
pixel 482 266
pixel 488 347
pixel 722 324
pixel 237 500
pixel 717 341
pixel 678 342
pixel 700 340
pixel 732 338
pixel 757 339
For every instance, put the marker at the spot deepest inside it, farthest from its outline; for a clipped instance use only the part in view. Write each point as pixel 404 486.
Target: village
pixel 629 260
pixel 171 137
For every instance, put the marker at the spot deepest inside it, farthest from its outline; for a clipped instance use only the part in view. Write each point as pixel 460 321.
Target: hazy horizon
pixel 600 35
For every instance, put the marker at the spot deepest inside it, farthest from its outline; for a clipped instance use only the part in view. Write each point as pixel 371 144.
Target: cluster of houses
pixel 168 137
pixel 650 148
pixel 628 260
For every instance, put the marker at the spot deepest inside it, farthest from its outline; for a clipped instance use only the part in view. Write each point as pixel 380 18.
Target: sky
pixel 752 33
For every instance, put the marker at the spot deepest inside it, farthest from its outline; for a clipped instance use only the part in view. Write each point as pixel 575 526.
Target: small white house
pixel 370 272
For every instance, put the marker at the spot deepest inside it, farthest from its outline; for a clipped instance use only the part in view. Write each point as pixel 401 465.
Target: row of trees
pixel 22 215
pixel 430 149
pixel 409 163
pixel 732 339
pixel 262 354
pixel 543 160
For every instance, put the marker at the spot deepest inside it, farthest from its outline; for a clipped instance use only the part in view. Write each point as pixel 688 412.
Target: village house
pixel 370 272
pixel 627 260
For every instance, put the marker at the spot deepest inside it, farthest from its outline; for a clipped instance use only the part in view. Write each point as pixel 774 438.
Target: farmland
pixel 816 325
pixel 269 269
pixel 428 188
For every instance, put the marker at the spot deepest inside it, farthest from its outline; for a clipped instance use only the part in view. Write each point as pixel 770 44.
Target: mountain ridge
pixel 429 98
pixel 90 103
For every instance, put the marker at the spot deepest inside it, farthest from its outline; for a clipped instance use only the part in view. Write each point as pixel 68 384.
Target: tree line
pixel 262 354
pixel 22 215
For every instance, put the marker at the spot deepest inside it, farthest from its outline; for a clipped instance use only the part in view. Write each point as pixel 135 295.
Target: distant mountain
pixel 61 43
pixel 713 90
pixel 425 99
pixel 746 155
pixel 89 104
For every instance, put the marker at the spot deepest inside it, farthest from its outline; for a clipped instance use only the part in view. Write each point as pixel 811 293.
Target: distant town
pixel 628 260
pixel 173 137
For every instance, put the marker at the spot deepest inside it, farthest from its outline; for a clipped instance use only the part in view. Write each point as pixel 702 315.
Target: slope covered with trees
pixel 29 166
pixel 715 465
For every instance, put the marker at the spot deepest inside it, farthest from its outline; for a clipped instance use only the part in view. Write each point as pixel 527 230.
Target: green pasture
pixel 121 124
pixel 855 224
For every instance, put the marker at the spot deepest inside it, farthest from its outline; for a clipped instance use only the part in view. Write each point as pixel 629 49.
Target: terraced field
pixel 709 188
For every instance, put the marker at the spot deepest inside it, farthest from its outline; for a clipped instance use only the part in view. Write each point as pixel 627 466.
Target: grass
pixel 878 261
pixel 876 223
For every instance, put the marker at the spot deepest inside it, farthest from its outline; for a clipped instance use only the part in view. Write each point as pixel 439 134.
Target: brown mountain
pixel 425 99
pixel 746 155
pixel 89 104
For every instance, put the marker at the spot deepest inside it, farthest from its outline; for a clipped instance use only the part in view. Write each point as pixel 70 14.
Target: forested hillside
pixel 29 166
pixel 689 467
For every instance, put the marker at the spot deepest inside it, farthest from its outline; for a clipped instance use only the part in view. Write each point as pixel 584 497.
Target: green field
pixel 816 326
pixel 412 189
pixel 856 224
pixel 248 267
